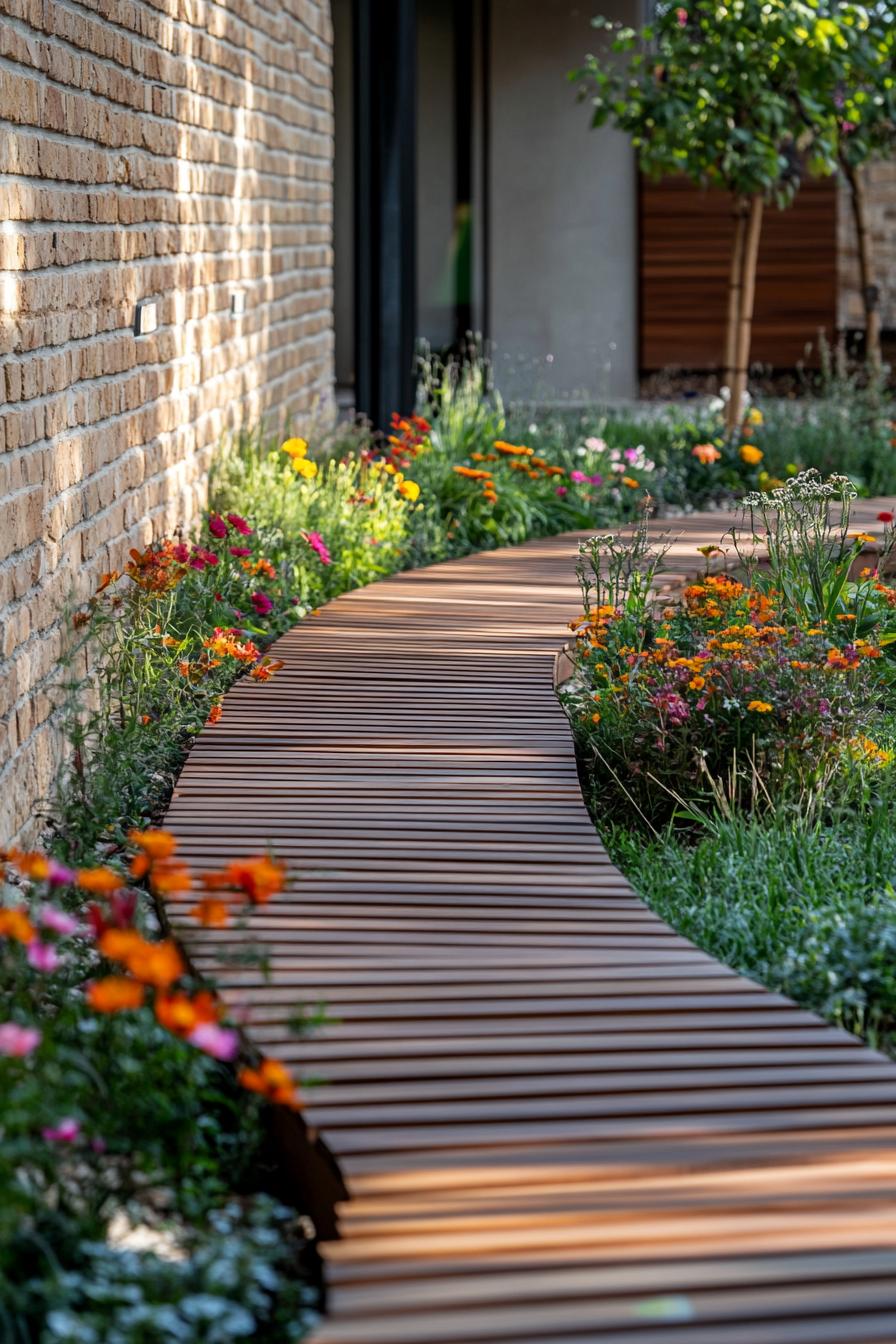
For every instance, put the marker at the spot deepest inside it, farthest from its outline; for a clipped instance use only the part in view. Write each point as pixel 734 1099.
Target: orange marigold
pixel 114 994
pixel 99 880
pixel 271 1080
pixel 15 924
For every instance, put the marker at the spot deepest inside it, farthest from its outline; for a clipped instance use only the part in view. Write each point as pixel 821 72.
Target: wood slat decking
pixel 557 1119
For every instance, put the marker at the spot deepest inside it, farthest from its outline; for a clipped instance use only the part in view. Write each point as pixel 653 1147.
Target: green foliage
pixel 709 90
pixel 807 908
pixel 235 1278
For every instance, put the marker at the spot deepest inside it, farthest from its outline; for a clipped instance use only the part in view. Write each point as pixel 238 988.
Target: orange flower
pixel 630 482
pixel 33 865
pixel 259 878
pixel 215 713
pixel 473 473
pixel 158 964
pixel 707 453
pixel 513 449
pixel 271 1080
pixel 264 670
pixel 99 880
pixel 157 844
pixel 226 643
pixel 697 683
pixel 15 924
pixel 211 914
pixel 167 877
pixel 760 707
pixel 180 1014
pixel 750 455
pixel 120 944
pixel 114 994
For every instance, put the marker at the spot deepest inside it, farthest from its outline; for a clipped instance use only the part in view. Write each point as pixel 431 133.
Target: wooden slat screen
pixel 685 238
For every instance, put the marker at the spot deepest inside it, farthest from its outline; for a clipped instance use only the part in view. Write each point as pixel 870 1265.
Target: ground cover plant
pixel 738 743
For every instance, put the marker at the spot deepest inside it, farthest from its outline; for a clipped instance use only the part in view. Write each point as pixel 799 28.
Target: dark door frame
pixel 385 63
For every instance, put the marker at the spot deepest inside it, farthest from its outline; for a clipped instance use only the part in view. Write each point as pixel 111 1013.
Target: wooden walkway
pixel 557 1120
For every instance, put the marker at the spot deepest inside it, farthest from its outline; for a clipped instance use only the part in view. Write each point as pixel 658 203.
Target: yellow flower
pixel 760 707
pixel 866 538
pixel 409 490
pixel 304 467
pixel 294 448
pixel 755 416
pixel 752 456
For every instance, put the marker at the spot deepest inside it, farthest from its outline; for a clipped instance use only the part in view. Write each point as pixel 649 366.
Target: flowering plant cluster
pixel 748 689
pixel 128 1095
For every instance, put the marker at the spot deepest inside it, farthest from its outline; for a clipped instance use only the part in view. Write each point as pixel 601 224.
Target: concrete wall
pixel 148 149
pixel 563 216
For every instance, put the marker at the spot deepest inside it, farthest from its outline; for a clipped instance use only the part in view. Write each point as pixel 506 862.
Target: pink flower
pixel 578 477
pixel 57 920
pixel 596 445
pixel 217 525
pixel 42 956
pixel 59 875
pixel 239 524
pixel 239 551
pixel 681 15
pixel 201 558
pixel 262 604
pixel 317 544
pixel 219 1042
pixel 65 1132
pixel 561 490
pixel 631 454
pixel 596 480
pixel 18 1041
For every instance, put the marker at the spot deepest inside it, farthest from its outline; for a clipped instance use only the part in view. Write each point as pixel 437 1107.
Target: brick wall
pixel 164 149
pixel 880 181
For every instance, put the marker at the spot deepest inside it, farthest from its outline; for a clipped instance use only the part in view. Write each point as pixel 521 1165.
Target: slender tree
pixel 707 90
pixel 850 97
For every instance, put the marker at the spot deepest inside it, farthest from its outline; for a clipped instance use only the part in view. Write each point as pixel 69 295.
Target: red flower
pixel 239 551
pixel 217 525
pixel 262 604
pixel 239 524
pixel 885 516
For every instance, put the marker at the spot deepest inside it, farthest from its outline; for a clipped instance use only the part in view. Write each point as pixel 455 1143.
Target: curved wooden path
pixel 557 1120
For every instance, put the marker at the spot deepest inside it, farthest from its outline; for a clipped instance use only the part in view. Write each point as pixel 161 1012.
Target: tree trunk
pixel 735 281
pixel 870 291
pixel 745 317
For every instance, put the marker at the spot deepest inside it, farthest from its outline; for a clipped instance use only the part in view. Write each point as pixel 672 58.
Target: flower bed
pixel 754 716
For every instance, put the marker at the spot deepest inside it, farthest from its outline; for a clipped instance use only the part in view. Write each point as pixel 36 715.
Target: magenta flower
pixel 57 920
pixel 561 490
pixel 319 546
pixel 262 604
pixel 58 875
pixel 631 454
pixel 42 956
pixel 596 480
pixel 219 1042
pixel 217 525
pixel 240 551
pixel 181 553
pixel 65 1132
pixel 578 477
pixel 18 1041
pixel 239 524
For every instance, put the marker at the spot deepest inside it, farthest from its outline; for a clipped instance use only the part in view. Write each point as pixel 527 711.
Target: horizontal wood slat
pixel 557 1120
pixel 685 254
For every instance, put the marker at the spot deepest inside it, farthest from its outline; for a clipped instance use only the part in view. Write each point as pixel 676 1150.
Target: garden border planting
pixel 556 1118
